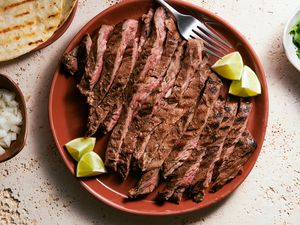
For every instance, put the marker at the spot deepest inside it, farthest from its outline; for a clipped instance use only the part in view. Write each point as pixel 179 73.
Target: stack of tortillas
pixel 26 24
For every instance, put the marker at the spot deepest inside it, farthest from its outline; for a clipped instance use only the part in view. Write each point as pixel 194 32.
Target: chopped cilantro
pixel 295 31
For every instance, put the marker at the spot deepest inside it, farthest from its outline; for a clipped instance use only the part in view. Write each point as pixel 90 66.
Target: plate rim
pixel 265 95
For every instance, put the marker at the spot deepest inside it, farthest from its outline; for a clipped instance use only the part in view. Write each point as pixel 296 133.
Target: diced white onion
pixel 15 129
pixel 10 119
pixel 3 133
pixel 13 136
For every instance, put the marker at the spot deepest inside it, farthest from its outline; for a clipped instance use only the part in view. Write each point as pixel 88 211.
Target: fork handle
pixel 169 7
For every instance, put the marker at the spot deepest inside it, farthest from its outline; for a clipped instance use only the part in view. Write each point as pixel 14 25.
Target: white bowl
pixel 289 46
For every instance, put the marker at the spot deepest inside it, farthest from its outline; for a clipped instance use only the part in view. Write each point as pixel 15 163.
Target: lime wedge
pixel 248 86
pixel 89 165
pixel 79 146
pixel 230 66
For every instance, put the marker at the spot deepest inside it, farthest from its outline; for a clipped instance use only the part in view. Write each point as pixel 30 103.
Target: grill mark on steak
pixel 213 153
pixel 148 182
pixel 185 91
pixel 121 37
pixel 184 175
pixel 141 117
pixel 239 125
pixel 146 63
pixel 233 165
pixel 94 62
pixel 183 146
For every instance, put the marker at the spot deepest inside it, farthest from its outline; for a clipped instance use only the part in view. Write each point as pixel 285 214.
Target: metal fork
pixel 190 27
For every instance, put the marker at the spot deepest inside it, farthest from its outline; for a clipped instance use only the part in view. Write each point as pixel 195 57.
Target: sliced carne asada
pixel 234 163
pixel 75 61
pixel 150 122
pixel 183 146
pixel 146 185
pixel 184 175
pixel 213 153
pixel 121 37
pixel 239 125
pixel 141 117
pixel 114 99
pixel 187 99
pixel 181 125
pixel 94 62
pixel 185 92
pixel 112 115
pixel 146 63
pixel 141 82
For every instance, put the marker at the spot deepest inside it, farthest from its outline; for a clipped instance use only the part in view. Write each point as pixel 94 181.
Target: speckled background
pixel 36 188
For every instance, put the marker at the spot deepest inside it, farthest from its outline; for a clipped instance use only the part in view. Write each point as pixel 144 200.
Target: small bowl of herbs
pixel 291 39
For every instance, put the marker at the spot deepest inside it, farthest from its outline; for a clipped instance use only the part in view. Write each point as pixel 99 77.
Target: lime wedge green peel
pixel 248 86
pixel 89 165
pixel 230 66
pixel 79 146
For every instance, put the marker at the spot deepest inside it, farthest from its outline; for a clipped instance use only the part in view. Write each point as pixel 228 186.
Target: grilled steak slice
pixel 146 29
pixel 75 61
pixel 212 153
pixel 233 165
pixel 146 185
pixel 113 101
pixel 94 62
pixel 84 50
pixel 185 91
pixel 111 115
pixel 146 62
pixel 128 146
pixel 70 62
pixel 184 175
pixel 122 35
pixel 239 125
pixel 140 80
pixel 184 145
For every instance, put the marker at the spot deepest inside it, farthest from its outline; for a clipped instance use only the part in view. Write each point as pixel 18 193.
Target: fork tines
pixel 214 44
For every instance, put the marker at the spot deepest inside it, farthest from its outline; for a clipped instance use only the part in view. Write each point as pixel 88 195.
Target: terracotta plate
pixel 68 113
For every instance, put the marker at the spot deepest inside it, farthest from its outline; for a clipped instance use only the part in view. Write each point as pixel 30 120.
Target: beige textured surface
pixel 36 188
